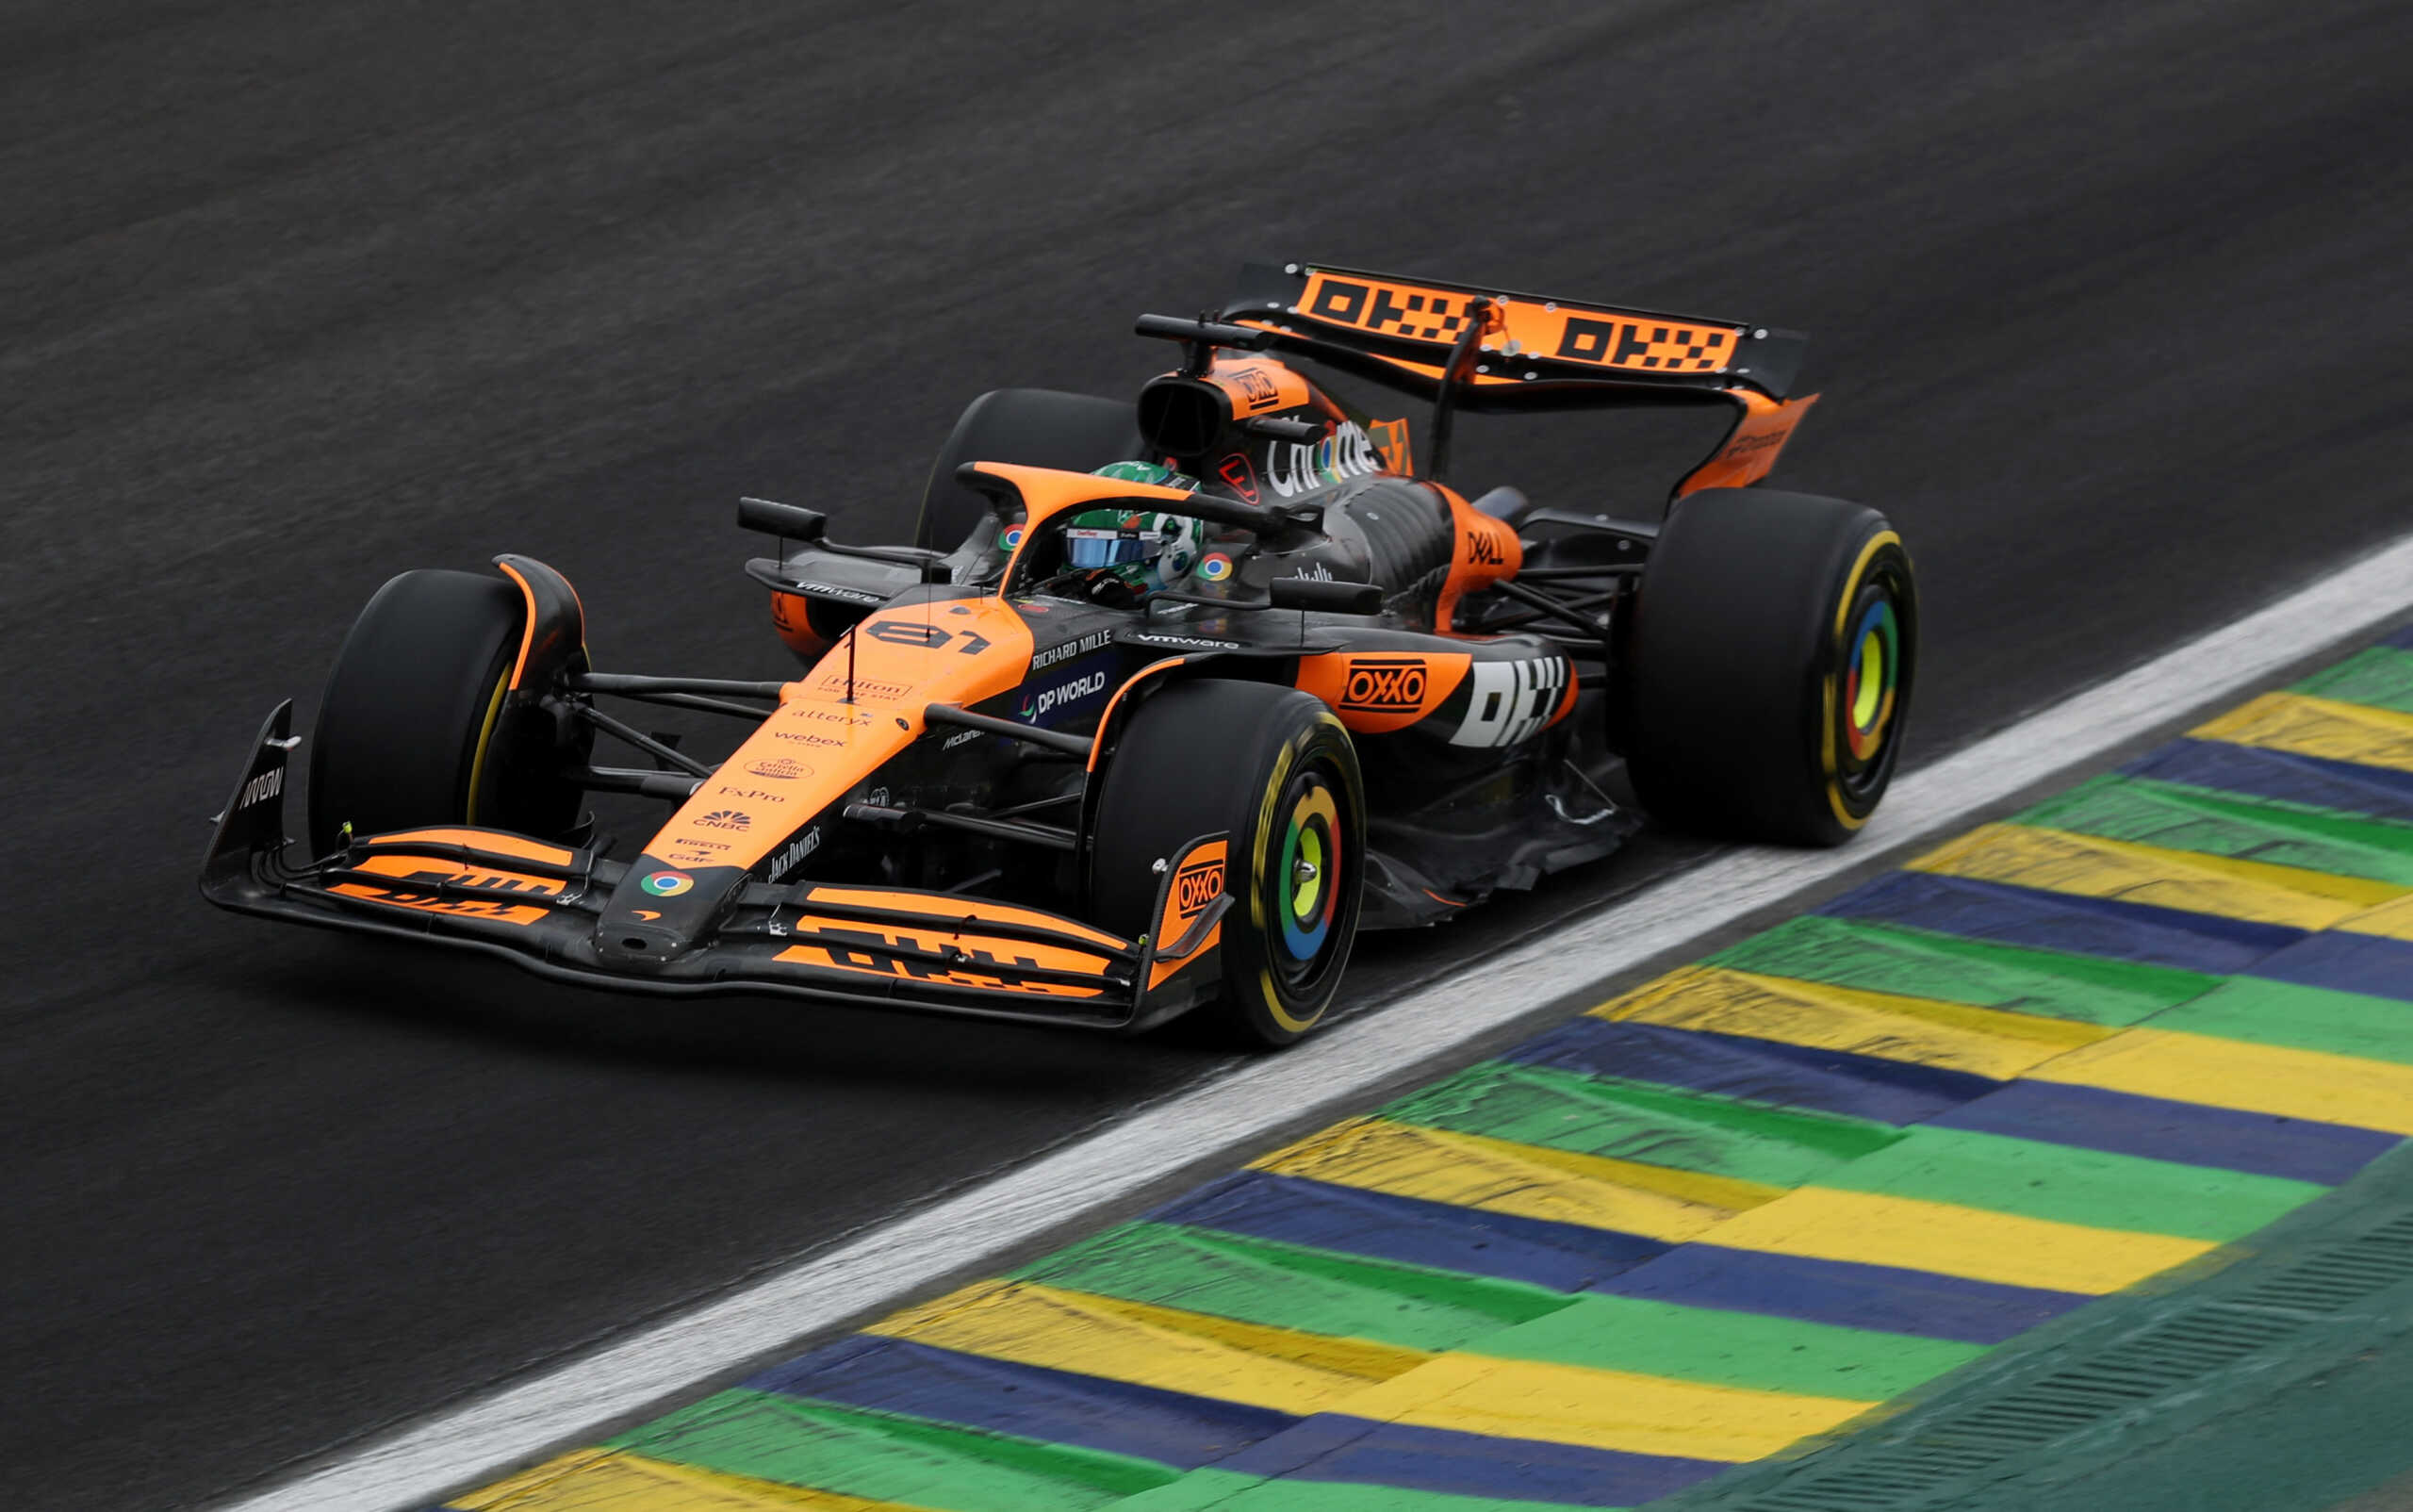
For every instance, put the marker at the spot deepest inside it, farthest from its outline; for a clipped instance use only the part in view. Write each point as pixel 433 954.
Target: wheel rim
pixel 1306 887
pixel 1867 714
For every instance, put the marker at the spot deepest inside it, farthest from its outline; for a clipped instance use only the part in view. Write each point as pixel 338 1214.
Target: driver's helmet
pixel 1144 549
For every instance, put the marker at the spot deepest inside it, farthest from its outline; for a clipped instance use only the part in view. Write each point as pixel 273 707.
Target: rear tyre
pixel 1775 642
pixel 1035 427
pixel 405 737
pixel 1275 768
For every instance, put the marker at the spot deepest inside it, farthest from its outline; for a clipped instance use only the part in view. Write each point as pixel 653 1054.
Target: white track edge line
pixel 505 1428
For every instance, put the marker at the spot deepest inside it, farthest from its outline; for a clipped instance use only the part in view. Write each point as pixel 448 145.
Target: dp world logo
pixel 724 819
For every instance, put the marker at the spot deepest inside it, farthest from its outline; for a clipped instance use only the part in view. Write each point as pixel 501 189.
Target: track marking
pixel 510 1426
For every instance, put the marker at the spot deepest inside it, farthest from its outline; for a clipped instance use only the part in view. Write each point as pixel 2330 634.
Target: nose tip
pixel 637 946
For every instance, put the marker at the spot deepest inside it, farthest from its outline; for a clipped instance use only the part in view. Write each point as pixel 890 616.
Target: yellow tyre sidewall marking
pixel 486 739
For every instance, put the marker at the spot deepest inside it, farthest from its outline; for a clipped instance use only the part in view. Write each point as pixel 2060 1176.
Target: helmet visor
pixel 1104 549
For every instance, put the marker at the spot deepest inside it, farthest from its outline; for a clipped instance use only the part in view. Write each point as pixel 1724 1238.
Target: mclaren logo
pixel 1196 885
pixel 1384 685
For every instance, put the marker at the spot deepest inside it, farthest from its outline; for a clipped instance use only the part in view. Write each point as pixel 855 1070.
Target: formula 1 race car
pixel 1165 701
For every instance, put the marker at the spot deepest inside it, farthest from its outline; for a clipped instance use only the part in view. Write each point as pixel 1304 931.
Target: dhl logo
pixel 404 895
pixel 941 961
pixel 1196 885
pixel 1384 686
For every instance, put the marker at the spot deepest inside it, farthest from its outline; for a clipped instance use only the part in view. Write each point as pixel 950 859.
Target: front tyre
pixel 406 734
pixel 1770 669
pixel 1275 768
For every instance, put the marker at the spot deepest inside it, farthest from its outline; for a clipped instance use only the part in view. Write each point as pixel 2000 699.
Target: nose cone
pixel 659 912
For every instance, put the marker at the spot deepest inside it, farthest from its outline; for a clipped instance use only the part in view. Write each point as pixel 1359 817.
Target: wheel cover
pixel 1872 651
pixel 1306 888
pixel 1868 690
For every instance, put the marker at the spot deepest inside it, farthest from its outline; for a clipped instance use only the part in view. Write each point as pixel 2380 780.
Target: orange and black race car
pixel 1167 700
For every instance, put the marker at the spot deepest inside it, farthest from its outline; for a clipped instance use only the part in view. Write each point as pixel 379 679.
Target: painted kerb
pixel 1738 1207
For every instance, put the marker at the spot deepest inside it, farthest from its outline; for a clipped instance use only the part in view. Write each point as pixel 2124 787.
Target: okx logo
pixel 1384 685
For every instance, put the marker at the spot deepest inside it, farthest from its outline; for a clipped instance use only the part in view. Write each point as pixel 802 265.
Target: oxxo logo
pixel 1196 885
pixel 1384 686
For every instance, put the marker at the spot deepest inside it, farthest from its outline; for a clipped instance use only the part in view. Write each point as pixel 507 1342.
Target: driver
pixel 1121 556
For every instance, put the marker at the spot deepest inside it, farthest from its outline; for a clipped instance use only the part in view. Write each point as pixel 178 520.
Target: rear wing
pixel 1471 348
pixel 1404 330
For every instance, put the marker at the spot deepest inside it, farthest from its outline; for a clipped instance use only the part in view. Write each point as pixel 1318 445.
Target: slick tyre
pixel 405 732
pixel 1274 768
pixel 1773 650
pixel 1035 427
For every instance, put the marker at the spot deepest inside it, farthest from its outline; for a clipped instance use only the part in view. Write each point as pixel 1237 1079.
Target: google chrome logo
pixel 667 884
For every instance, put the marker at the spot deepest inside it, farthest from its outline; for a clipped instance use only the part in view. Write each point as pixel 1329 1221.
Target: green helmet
pixel 1144 549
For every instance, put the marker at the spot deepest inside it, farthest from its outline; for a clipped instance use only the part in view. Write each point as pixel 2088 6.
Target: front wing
pixel 542 906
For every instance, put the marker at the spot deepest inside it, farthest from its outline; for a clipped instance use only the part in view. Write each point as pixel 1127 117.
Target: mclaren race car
pixel 1165 701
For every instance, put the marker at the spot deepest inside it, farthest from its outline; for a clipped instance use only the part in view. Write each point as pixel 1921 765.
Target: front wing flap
pixel 543 907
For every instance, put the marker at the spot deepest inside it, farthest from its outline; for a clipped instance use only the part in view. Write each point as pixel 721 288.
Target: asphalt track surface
pixel 2110 316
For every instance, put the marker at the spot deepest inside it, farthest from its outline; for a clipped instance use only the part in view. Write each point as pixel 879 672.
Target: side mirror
pixel 792 522
pixel 1323 596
